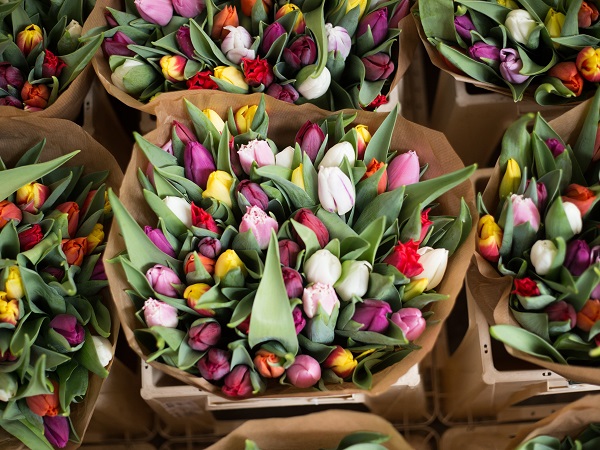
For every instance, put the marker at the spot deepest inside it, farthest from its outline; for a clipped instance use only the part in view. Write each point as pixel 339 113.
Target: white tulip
pixel 322 267
pixel 335 155
pixel 236 44
pixel 573 216
pixel 542 256
pixel 285 157
pixel 8 386
pixel 181 208
pixel 434 262
pixel 310 87
pixel 354 279
pixel 520 24
pixel 103 350
pixel 336 191
pixel 74 29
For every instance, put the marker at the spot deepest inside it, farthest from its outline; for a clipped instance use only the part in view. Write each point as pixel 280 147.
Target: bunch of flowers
pixel 336 54
pixel 588 438
pixel 553 47
pixel 53 323
pixel 359 439
pixel 42 51
pixel 308 265
pixel 545 234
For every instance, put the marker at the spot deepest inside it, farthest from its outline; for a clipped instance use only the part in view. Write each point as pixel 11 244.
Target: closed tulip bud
pixel 163 280
pixel 414 289
pixel 133 76
pixel 372 315
pixel 288 252
pixel 310 137
pixel 71 209
pixel 75 250
pixel 341 362
pixel 9 100
pixel 582 197
pixel 193 293
pixel 587 15
pixel 405 258
pixel 214 365
pixel 95 238
pixel 299 24
pixel 403 170
pixel 354 280
pixel 56 430
pixel 304 372
pixel 587 62
pixel 410 321
pixel 311 86
pixel 160 314
pixel 67 326
pixel 425 223
pixel 159 12
pixel 555 146
pixel 45 404
pixel 543 254
pixel 13 284
pixel 488 54
pixel 117 45
pixel 335 155
pixel 268 364
pixel 525 211
pixel 226 17
pixel 434 262
pixel 298 177
pixel 542 194
pixel 257 72
pixel 336 191
pixel 307 218
pixel 202 219
pixel 293 282
pixel 378 66
pixel 253 194
pixel 244 117
pixel 554 22
pixel 237 383
pixel 363 138
pixel 511 65
pixel 10 76
pixel 172 67
pixel 236 44
pixel 8 386
pixel 205 335
pixel 9 310
pixel 299 320
pixel 188 8
pixel 464 26
pixel 511 179
pixel 247 6
pixel 181 208
pixel 257 151
pixel 322 267
pixel 209 247
pixel 270 35
pixel 574 217
pixel 319 294
pixel 73 31
pixel 231 75
pixel 218 186
pixel 158 238
pixel 361 4
pixel 198 163
pixel 29 38
pixel 30 237
pixel 577 259
pixel 52 65
pixel 260 224
pixel 31 197
pixel 561 312
pixel 184 41
pixel 285 157
pixel 489 238
pixel 9 211
pixel 302 52
pixel 589 315
pixel 377 21
pixel 189 264
pixel 104 350
pixel 284 92
pixel 338 40
pixel 373 167
pixel 520 24
pixel 228 261
pixel 215 119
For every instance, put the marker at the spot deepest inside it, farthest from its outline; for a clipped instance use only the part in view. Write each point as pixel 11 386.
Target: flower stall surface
pixel 313 261
pixel 57 329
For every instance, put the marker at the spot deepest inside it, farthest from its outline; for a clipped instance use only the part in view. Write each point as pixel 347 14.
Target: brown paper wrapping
pixel 408 42
pixel 311 432
pixel 568 421
pixel 62 136
pixel 284 121
pixel 491 290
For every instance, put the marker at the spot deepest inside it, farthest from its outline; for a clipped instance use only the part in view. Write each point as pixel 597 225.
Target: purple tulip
pixel 510 66
pixel 310 137
pixel 378 22
pixel 110 19
pixel 56 430
pixel 299 320
pixel 98 273
pixel 410 321
pixel 561 312
pixel 260 224
pixel 304 372
pixel 288 252
pixel 66 325
pixel 198 163
pixel 209 247
pixel 157 313
pixel 9 100
pixel 594 259
pixel 302 52
pixel 463 27
pixel 378 66
pixel 555 146
pixel 159 239
pixel 214 365
pixel 205 335
pixel 401 12
pixel 307 218
pixel 238 383
pixel 372 314
pixel 489 54
pixel 184 41
pixel 163 280
pixel 188 8
pixel 403 170
pixel 117 45
pixel 577 258
pixel 184 134
pixel 293 282
pixel 283 92
pixel 270 35
pixel 542 194
pixel 253 193
pixel 525 211
pixel 10 76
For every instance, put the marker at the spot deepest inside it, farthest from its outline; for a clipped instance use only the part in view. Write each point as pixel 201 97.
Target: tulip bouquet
pixel 588 438
pixel 42 51
pixel 54 326
pixel 336 54
pixel 360 439
pixel 515 44
pixel 307 265
pixel 545 240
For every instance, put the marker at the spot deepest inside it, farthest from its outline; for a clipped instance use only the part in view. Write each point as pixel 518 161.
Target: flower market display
pixel 335 54
pixel 543 237
pixel 43 50
pixel 588 438
pixel 545 49
pixel 306 263
pixel 57 331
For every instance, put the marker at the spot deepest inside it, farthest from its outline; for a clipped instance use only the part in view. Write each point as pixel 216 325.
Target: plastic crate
pixel 486 437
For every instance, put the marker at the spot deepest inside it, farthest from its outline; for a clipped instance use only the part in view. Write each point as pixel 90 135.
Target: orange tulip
pixel 189 264
pixel 267 364
pixel 9 211
pixel 71 209
pixel 580 196
pixel 35 95
pixel 45 404
pixel 568 74
pixel 75 250
pixel 372 168
pixel 247 6
pixel 226 17
pixel 589 315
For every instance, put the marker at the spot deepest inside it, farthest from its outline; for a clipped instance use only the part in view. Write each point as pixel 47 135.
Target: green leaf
pixel 78 60
pixel 26 433
pixel 526 342
pixel 437 18
pixel 88 357
pixel 388 204
pixel 584 147
pixel 315 22
pixel 379 144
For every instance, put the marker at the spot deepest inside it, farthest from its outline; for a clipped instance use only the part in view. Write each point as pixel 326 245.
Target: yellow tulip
pixel 244 117
pixel 9 310
pixel 14 284
pixel 218 186
pixel 215 119
pixel 231 75
pixel 414 289
pixel 510 4
pixel 511 179
pixel 364 137
pixel 95 238
pixel 297 177
pixel 554 23
pixel 489 238
pixel 354 3
pixel 194 292
pixel 227 261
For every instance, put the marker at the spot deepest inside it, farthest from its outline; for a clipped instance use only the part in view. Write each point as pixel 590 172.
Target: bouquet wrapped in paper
pixel 335 54
pixel 44 57
pixel 57 331
pixel 538 261
pixel 543 49
pixel 269 252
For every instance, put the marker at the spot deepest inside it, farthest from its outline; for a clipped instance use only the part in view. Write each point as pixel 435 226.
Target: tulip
pixel 161 314
pixel 29 38
pixel 335 155
pixel 302 52
pixel 520 24
pixel 133 76
pixel 188 8
pixel 267 364
pixel 238 383
pixel 231 75
pixel 75 250
pixel 8 356
pixel 310 137
pixel 163 280
pixel 209 247
pixel 202 219
pixel 257 72
pixel 525 211
pixel 45 404
pixel 589 315
pixel 159 240
pixel 377 22
pixel 299 320
pixel 104 350
pixel 185 135
pixel 554 22
pixel 526 287
pixel 260 224
pixel 117 45
pixel 354 280
pixel 9 310
pixel 574 217
pixel 67 326
pixel 307 218
pixel 288 252
pixel 218 186
pixel 9 100
pixel 181 208
pixel 561 312
pixel 425 223
pixel 373 167
pixel 31 237
pixel 198 163
pixel 193 293
pixel 184 41
pixel 341 362
pixel 464 26
pixel 510 4
pixel 582 197
pixel 587 15
pixel 298 177
pixel 270 35
pixel 258 151
pixel 511 65
pixel 489 238
pixel 10 76
pixel 71 209
pixel 434 262
pixel 595 259
pixel 414 289
pixel 9 211
pixel 244 118
pixel 587 63
pixel 405 258
pixel 31 197
pixel 247 6
pixel 299 24
pixel 488 54
pixel 304 372
pixel 173 67
pixel 319 294
pixel 577 259
pixel 381 99
pixel 214 365
pixel 202 80
pixel 56 430
pixel 403 170
pixel 410 321
pixel 311 86
pixel 236 45
pixel 52 65
pixel 226 17
pixel 8 386
pixel 542 256
pixel 336 191
pixel 35 96
pixel 159 12
pixel 293 282
pixel 372 315
pixel 204 335
pixel 555 146
pixel 283 92
pixel 322 267
pixel 363 138
pixel 511 179
pixel 542 194
pixel 95 238
pixel 215 119
pixel 567 73
pixel 13 285
pixel 253 194
pixel 228 261
pixel 285 157
pixel 189 263
pixel 338 41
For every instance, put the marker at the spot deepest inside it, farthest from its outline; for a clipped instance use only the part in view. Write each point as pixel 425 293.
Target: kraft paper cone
pixel 569 421
pixel 284 121
pixel 408 42
pixel 63 136
pixel 311 432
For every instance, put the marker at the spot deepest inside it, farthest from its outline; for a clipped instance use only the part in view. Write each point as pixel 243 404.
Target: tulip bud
pixel 580 196
pixel 133 76
pixel 45 404
pixel 71 209
pixel 299 24
pixel 554 22
pixel 218 186
pixel 373 167
pixel 414 289
pixel 410 321
pixel 338 40
pixel 29 38
pixel 335 155
pixel 299 320
pixel 35 95
pixel 587 64
pixel 184 42
pixel 520 24
pixel 163 280
pixel 587 15
pixel 189 263
pixel 198 163
pixel 52 65
pixel 434 262
pixel 298 177
pixel 589 315
pixel 311 86
pixel 405 258
pixel 204 335
pixel 372 315
pixel 202 80
pixel 267 364
pixel 403 170
pixel 511 179
pixel 464 26
pixel 158 238
pixel 377 22
pixel 322 267
pixel 202 219
pixel 9 211
pixel 577 259
pixel 567 73
pixel 525 211
pixel 67 326
pixel 226 17
pixel 8 386
pixel 188 8
pixel 214 365
pixel 511 65
pixel 310 137
pixel 31 237
pixel 31 197
pixel 157 313
pixel 13 284
pixel 244 118
pixel 270 35
pixel 9 100
pixel 285 157
pixel 319 294
pixel 209 247
pixel 10 76
pixel 247 6
pixel 173 67
pixel 526 287
pixel 231 75
pixel 574 217
pixel 159 12
pixel 253 194
pixel 363 138
pixel 485 53
pixel 308 219
pixel 75 250
pixel 561 312
pixel 283 92
pixel 542 194
pixel 378 66
pixel 9 310
pixel 237 45
pixel 104 350
pixel 95 238
pixel 258 151
pixel 304 372
pixel 293 282
pixel 341 361
pixel 215 119
pixel 238 383
pixel 542 256
pixel 288 252
pixel 117 45
pixel 181 208
pixel 260 224
pixel 425 224
pixel 302 52
pixel 56 430
pixel 336 191
pixel 354 280
pixel 228 261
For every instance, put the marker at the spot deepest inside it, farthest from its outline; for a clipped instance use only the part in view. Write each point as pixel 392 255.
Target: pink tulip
pixel 524 211
pixel 293 282
pixel 204 335
pixel 188 8
pixel 304 372
pixel 214 365
pixel 260 224
pixel 403 170
pixel 159 12
pixel 288 252
pixel 372 314
pixel 257 151
pixel 319 294
pixel 162 279
pixel 410 321
pixel 157 313
pixel 237 383
pixel 561 312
